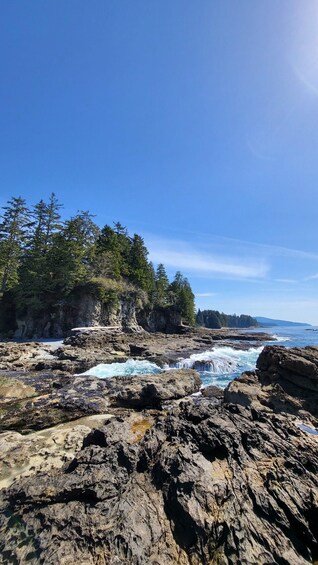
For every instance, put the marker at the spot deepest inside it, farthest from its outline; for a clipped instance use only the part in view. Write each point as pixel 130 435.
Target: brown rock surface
pixel 291 376
pixel 192 484
pixel 150 391
pixel 58 398
pixel 203 485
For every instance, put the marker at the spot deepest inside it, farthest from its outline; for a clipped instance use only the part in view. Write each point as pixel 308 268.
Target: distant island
pixel 267 322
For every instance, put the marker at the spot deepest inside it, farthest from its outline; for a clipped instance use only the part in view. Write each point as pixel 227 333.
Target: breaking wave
pixel 280 337
pixel 222 360
pixel 218 366
pixel 127 369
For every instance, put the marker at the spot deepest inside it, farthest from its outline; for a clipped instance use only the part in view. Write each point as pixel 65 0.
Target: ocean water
pixel 220 365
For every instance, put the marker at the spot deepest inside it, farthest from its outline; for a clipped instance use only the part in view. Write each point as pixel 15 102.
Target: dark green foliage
pixel 34 271
pixel 69 259
pixel 180 294
pixel 44 261
pixel 108 258
pixel 162 286
pixel 216 320
pixel 199 318
pixel 13 235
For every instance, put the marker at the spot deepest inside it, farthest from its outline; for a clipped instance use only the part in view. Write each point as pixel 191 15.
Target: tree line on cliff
pixel 43 259
pixel 215 320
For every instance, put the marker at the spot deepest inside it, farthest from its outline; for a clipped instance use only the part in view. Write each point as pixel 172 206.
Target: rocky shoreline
pixel 139 471
pixel 90 346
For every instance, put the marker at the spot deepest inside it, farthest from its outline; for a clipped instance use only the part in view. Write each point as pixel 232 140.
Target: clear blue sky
pixel 193 123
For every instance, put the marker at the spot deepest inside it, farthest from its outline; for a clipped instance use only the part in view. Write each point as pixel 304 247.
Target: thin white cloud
pixel 287 281
pixel 205 294
pixel 312 277
pixel 182 255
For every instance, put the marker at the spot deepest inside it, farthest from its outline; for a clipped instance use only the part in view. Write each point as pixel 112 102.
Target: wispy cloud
pixel 205 294
pixel 287 281
pixel 312 277
pixel 182 255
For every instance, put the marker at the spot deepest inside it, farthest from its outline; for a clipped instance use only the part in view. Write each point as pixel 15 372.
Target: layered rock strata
pixel 195 481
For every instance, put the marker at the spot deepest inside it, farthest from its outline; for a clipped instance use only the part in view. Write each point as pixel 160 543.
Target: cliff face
pixel 161 319
pixel 80 310
pixel 127 312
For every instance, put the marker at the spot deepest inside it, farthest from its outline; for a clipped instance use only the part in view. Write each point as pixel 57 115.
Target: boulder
pixel 150 391
pixel 290 373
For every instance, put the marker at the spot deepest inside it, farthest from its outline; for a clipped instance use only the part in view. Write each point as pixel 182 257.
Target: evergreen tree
pixel 69 259
pixel 124 245
pixel 152 292
pixel 13 234
pixel 34 276
pixel 162 286
pixel 215 320
pixel 182 296
pixel 199 318
pixel 140 270
pixel 52 220
pixel 107 254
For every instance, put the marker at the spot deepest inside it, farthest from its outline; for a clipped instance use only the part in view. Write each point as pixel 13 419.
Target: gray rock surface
pixel 150 391
pixel 187 482
pixel 41 400
pixel 203 485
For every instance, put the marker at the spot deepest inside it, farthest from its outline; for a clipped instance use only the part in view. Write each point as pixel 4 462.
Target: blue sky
pixel 193 123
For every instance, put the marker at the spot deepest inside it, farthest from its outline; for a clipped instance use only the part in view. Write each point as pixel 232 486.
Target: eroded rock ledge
pixel 194 482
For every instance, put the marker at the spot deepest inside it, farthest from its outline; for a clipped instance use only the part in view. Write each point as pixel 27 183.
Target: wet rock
pixel 55 398
pixel 87 347
pixel 26 455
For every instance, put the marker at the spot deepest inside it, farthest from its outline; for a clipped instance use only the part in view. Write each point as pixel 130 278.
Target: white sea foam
pixel 129 368
pixel 222 360
pixel 218 366
pixel 280 337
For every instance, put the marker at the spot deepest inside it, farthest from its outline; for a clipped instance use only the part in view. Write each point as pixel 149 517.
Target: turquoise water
pixel 220 365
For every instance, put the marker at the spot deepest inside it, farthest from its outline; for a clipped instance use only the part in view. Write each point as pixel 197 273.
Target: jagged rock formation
pixel 203 485
pixel 292 374
pixel 196 482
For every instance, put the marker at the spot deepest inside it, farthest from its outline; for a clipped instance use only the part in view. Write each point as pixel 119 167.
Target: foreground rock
pixel 25 455
pixel 205 484
pixel 292 375
pixel 41 400
pixel 286 381
pixel 170 481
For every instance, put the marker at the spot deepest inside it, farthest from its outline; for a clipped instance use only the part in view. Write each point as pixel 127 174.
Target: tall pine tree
pixel 13 234
pixel 34 271
pixel 162 285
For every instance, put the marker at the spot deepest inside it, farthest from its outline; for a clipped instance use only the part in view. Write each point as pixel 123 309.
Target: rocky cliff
pixel 126 311
pixel 80 309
